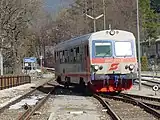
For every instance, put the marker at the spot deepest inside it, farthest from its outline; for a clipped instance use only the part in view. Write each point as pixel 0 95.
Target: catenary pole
pixel 138 41
pixel 94 20
pixel 104 12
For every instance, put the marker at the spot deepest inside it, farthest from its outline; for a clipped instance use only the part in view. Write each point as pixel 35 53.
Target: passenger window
pixel 71 55
pixel 66 56
pixel 61 57
pixel 77 54
pixel 55 57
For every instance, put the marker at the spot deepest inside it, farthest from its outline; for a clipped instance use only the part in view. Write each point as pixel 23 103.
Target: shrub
pixel 144 63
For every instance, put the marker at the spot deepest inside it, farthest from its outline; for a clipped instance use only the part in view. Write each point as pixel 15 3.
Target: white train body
pixel 98 58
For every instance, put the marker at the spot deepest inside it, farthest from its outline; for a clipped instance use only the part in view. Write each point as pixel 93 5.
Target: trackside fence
pixel 12 81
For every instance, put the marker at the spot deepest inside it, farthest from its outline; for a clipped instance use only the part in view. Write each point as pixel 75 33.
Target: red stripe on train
pixel 109 60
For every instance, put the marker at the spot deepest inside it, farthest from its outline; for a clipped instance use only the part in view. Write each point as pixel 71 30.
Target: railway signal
pixel 155 88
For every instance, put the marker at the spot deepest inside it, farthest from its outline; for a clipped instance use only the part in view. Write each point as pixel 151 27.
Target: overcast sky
pixel 56 5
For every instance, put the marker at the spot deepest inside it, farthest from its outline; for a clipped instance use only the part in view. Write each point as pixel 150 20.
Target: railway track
pixel 149 101
pixel 110 111
pixel 30 111
pixel 126 107
pixel 149 82
pixel 25 111
pixel 150 76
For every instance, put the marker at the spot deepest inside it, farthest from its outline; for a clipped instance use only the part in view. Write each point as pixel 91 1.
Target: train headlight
pixel 126 67
pixel 101 67
pixel 131 67
pixel 112 32
pixel 96 67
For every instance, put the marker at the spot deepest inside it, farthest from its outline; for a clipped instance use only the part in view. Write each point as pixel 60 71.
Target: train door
pixel 86 59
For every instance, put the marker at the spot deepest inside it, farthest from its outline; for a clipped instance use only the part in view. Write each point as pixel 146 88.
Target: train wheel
pixel 67 82
pixel 58 79
pixel 84 88
pixel 116 93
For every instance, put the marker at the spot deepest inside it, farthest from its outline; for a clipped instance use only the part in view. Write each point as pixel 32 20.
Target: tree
pixel 15 19
pixel 149 21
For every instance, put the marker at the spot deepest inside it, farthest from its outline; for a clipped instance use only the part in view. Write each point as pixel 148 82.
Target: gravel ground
pixel 127 111
pixel 15 110
pixel 7 95
pixel 66 105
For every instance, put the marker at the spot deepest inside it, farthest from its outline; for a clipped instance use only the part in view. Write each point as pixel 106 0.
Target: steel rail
pixel 109 110
pixel 157 107
pixel 148 85
pixel 21 97
pixel 151 81
pixel 29 112
pixel 144 106
pixel 142 97
pixel 150 76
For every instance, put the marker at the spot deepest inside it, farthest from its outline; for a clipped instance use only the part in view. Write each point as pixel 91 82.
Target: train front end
pixel 113 61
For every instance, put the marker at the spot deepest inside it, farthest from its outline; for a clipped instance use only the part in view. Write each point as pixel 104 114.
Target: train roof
pixel 85 38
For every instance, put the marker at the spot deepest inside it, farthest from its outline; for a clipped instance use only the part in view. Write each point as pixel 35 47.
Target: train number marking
pixel 114 66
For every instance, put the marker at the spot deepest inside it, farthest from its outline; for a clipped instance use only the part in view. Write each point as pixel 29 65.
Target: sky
pixel 56 5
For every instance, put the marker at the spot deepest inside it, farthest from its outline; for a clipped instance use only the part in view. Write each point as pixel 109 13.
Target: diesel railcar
pixel 104 61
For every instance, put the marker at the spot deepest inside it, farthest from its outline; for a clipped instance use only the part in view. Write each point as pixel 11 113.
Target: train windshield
pixel 103 49
pixel 123 49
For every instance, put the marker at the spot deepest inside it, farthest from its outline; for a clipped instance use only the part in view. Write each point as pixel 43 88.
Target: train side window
pixel 77 54
pixel 71 55
pixel 74 55
pixel 55 56
pixel 61 56
pixel 66 56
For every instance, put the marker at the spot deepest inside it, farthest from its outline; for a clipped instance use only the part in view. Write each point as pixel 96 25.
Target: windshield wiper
pixel 106 53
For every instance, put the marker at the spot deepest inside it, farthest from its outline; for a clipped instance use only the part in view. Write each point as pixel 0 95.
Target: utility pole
pixel 41 60
pixel 86 22
pixel 138 40
pixel 94 20
pixel 1 57
pixel 104 12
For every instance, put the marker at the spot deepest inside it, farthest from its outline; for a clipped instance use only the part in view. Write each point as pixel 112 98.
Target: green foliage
pixel 144 63
pixel 149 18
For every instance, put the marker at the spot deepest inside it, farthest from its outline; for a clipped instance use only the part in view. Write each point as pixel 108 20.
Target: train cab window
pixel 103 49
pixel 123 51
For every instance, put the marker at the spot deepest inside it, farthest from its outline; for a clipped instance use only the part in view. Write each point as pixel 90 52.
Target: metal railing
pixel 11 81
